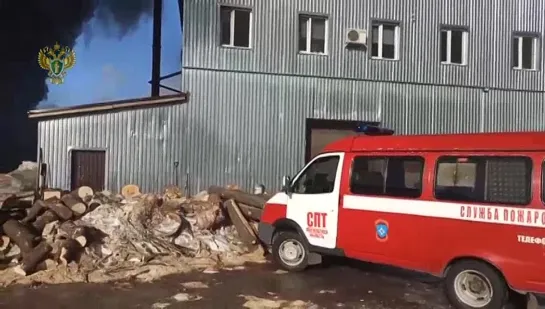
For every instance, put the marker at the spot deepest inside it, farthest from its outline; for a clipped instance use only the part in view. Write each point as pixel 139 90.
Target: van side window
pixel 318 177
pixel 390 176
pixel 543 182
pixel 486 179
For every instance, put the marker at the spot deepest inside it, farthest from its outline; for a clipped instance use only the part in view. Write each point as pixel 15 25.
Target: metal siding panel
pixel 506 111
pixel 274 50
pixel 250 128
pixel 141 145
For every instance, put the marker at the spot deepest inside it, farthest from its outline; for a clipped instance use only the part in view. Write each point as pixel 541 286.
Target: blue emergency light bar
pixel 373 130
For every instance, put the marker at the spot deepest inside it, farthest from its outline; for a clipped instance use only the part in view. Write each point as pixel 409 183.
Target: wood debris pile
pixel 102 229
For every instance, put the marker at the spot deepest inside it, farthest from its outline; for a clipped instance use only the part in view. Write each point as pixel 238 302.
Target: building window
pixel 525 52
pixel 385 41
pixel 454 46
pixel 312 34
pixel 236 26
pixel 500 180
pixel 388 176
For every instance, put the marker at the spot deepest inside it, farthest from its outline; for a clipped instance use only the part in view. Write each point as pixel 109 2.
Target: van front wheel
pixel 289 251
pixel 475 285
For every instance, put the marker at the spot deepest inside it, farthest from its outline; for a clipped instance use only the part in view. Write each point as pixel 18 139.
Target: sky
pixel 109 69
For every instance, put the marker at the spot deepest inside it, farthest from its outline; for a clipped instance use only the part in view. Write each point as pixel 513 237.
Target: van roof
pixel 509 141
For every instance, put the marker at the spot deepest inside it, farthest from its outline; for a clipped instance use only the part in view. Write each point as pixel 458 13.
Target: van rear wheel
pixel 290 251
pixel 475 285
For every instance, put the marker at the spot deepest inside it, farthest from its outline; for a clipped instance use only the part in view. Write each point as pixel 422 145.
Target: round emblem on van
pixel 382 230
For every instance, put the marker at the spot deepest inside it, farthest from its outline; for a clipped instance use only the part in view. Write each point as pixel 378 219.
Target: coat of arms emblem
pixel 56 60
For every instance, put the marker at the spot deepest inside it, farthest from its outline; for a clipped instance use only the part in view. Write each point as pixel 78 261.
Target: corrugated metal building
pixel 108 145
pixel 261 72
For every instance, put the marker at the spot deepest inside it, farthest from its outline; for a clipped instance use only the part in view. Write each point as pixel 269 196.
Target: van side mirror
pixel 286 182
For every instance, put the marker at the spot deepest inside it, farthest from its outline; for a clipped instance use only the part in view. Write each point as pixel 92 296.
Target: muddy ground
pixel 341 285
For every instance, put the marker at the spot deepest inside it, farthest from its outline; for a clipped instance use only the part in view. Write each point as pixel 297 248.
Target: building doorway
pixel 88 169
pixel 320 132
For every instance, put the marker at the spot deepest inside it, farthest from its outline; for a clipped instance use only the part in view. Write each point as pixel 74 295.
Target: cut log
pixel 83 193
pixel 206 219
pixel 167 224
pixel 33 258
pixel 93 204
pixel 214 199
pixel 48 194
pixel 21 235
pixel 105 197
pixel 14 253
pixel 172 192
pixel 69 230
pixel 239 196
pixel 173 204
pixel 233 186
pixel 67 250
pixel 47 217
pixel 33 212
pixel 244 229
pixel 25 194
pixel 5 243
pixel 6 200
pixel 13 201
pixel 50 231
pixel 75 203
pixel 250 212
pixel 13 214
pixel 47 265
pixel 129 191
pixel 61 210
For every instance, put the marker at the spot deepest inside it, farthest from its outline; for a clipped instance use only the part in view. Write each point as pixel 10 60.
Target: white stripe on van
pixel 495 214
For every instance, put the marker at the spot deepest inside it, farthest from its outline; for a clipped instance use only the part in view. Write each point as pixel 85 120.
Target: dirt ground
pixel 253 286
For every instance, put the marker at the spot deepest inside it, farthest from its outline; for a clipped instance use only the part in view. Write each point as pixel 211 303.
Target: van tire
pixel 488 275
pixel 296 245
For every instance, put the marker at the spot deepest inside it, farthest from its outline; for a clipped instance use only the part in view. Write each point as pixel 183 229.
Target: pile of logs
pixel 242 208
pixel 57 226
pixel 26 228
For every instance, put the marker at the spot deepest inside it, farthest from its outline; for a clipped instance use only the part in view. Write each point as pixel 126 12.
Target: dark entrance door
pixel 88 169
pixel 320 132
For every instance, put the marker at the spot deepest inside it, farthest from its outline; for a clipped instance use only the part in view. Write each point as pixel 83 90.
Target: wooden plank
pixel 250 212
pixel 244 229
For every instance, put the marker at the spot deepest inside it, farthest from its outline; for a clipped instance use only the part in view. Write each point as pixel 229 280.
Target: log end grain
pixel 83 192
pixel 130 190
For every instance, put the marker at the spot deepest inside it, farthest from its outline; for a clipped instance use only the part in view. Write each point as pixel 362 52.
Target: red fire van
pixel 469 208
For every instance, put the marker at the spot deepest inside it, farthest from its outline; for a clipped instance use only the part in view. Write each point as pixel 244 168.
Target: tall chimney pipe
pixel 156 53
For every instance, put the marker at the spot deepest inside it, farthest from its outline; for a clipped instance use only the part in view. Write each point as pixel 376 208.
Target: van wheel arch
pixel 284 225
pixel 472 258
pixel 482 260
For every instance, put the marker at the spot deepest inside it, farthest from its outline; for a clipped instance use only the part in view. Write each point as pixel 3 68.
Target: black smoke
pixel 26 26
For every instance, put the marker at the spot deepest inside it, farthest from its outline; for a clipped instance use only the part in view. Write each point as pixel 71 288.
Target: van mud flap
pixel 535 301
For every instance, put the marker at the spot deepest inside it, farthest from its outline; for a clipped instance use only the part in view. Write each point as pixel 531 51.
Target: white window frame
pixel 397 40
pixel 233 9
pixel 465 43
pixel 310 17
pixel 519 37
